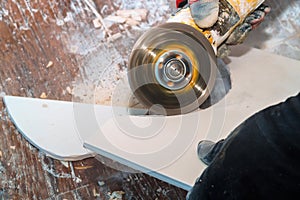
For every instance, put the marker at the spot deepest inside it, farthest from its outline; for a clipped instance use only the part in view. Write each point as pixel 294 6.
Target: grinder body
pixel 172 67
pixel 232 13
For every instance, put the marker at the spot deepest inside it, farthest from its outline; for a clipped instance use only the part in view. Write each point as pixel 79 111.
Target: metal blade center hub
pixel 173 70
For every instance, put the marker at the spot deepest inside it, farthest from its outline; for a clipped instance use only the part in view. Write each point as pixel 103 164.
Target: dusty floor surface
pixel 51 49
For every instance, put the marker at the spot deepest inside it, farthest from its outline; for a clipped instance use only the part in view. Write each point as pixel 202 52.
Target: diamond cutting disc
pixel 172 69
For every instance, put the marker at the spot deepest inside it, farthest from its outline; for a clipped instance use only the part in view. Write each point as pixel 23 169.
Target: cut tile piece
pixel 55 127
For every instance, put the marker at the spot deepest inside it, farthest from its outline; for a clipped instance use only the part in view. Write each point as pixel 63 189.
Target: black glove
pixel 260 159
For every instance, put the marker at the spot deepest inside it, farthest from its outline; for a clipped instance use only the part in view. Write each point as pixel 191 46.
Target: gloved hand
pixel 241 32
pixel 206 14
pixel 250 23
pixel 258 160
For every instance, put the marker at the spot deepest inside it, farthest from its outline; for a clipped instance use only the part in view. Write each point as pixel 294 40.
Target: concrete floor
pixel 87 69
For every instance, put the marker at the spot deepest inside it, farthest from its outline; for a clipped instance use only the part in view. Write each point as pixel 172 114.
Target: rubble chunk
pixel 69 90
pixel 132 22
pixel 116 19
pixel 97 23
pixel 43 95
pixel 115 37
pixel 136 14
pixel 50 64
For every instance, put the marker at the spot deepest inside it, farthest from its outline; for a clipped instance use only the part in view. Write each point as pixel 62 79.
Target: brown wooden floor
pixel 31 35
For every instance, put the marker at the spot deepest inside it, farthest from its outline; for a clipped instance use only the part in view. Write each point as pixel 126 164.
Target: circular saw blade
pixel 172 69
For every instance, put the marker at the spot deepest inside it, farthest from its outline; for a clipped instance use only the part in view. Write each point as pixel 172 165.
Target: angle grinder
pixel 172 67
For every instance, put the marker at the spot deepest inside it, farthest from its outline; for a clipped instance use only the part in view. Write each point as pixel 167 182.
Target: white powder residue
pixel 50 169
pixel 3 12
pixel 104 64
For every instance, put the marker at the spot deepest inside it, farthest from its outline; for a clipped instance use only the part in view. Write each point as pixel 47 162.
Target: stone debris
pixel 82 167
pixel 136 14
pixel 101 183
pixel 115 37
pixel 116 195
pixel 115 19
pixel 50 64
pixel 119 22
pixel 64 163
pixel 95 193
pixel 69 90
pixel 43 95
pixel 130 17
pixel 132 22
pixel 97 23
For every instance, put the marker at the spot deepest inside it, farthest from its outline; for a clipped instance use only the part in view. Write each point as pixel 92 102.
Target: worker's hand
pixel 241 32
pixel 250 23
pixel 204 12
